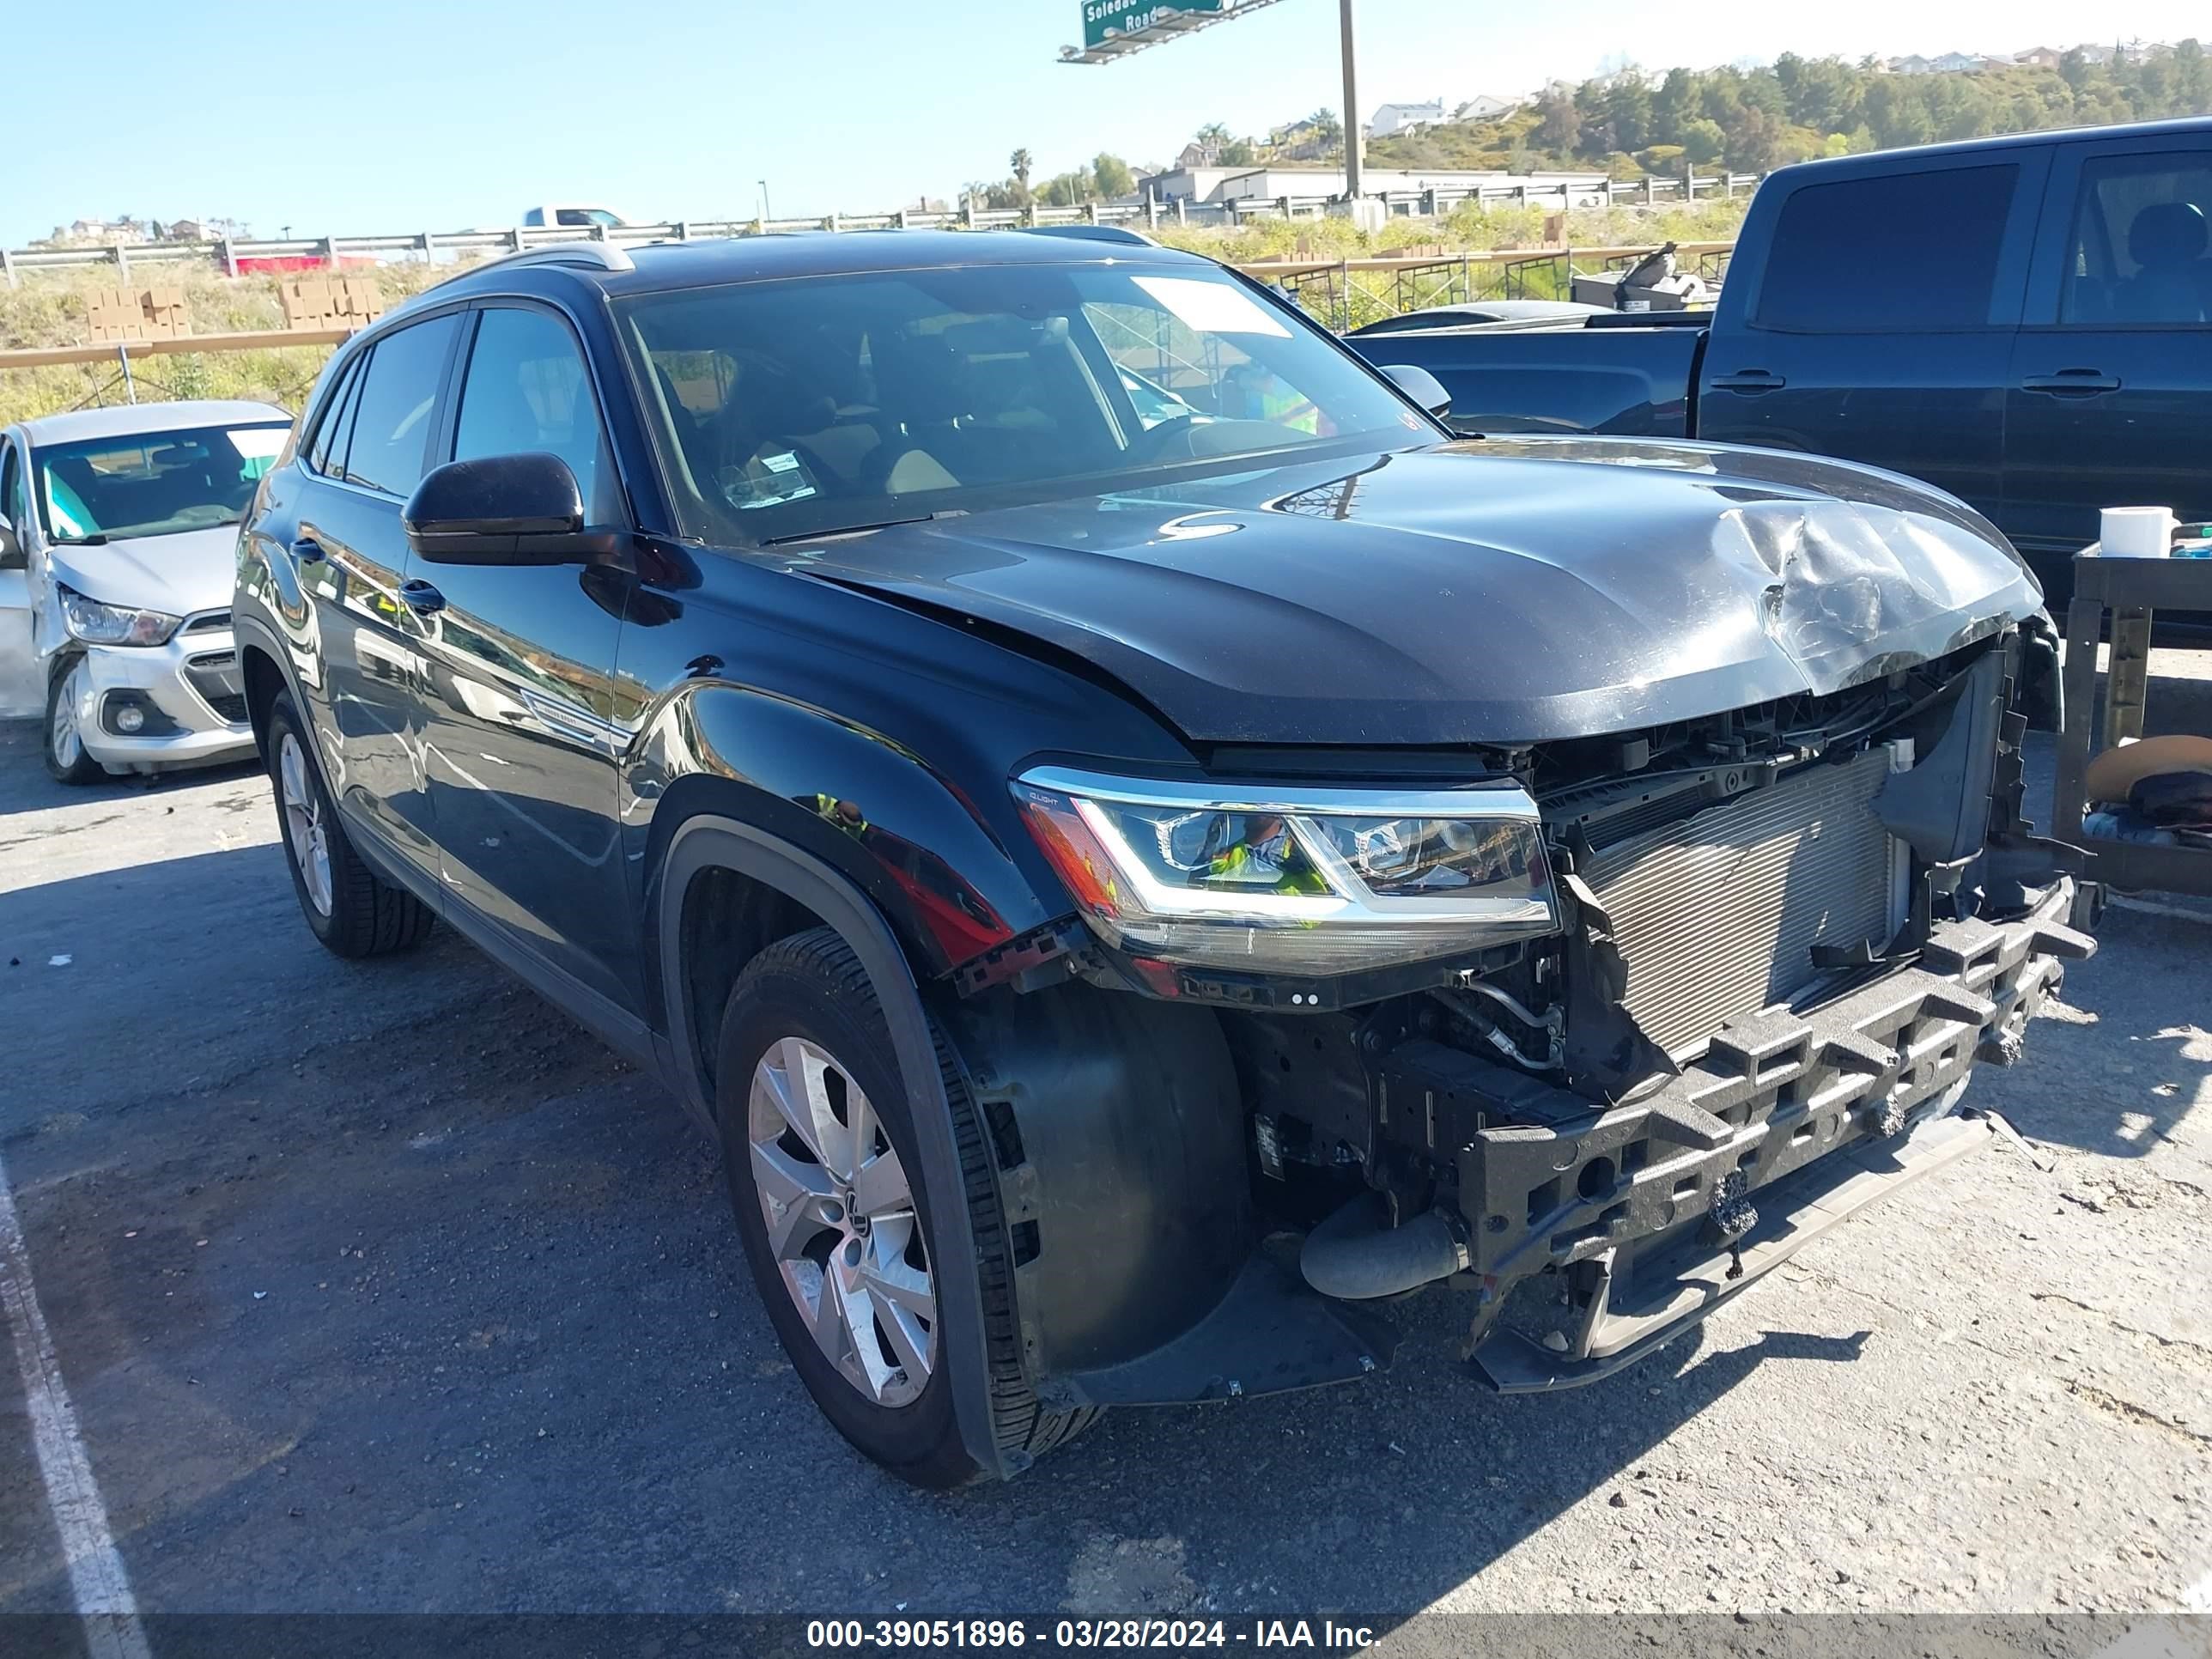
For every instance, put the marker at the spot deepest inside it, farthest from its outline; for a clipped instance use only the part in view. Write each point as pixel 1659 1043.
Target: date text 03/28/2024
pixel 990 1635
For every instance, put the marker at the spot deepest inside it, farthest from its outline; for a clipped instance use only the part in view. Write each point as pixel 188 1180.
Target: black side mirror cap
pixel 1423 388
pixel 12 555
pixel 504 509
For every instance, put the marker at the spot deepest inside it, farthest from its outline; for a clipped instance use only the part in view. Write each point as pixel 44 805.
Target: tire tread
pixel 1020 1422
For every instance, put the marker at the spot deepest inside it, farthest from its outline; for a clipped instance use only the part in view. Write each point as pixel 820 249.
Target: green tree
pixel 1675 103
pixel 1628 111
pixel 2192 79
pixel 1112 176
pixel 1239 153
pixel 1558 123
pixel 1703 141
pixel 1753 139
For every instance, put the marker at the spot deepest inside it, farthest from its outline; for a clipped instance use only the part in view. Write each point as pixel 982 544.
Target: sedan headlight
pixel 114 624
pixel 1292 880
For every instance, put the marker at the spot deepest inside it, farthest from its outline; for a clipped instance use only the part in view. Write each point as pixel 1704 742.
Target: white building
pixel 1393 118
pixel 1486 107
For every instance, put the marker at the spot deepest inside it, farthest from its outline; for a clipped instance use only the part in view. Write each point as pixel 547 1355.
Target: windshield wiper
pixel 99 538
pixel 842 530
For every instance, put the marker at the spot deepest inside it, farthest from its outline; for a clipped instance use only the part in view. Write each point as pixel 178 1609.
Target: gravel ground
pixel 383 1287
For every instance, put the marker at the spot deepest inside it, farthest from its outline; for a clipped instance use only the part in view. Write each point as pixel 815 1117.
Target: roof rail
pixel 601 256
pixel 1090 232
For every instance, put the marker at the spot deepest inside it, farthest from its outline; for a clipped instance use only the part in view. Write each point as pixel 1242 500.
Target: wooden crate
pixel 137 314
pixel 317 301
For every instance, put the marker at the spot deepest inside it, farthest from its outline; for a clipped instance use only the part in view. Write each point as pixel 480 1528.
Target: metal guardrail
pixel 226 252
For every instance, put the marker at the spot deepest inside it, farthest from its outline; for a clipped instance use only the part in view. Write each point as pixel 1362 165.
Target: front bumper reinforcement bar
pixel 1664 1208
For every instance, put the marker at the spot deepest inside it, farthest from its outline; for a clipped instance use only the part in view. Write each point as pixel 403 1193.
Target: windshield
pixel 152 483
pixel 794 408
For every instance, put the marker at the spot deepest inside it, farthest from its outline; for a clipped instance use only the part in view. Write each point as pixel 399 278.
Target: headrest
pixel 2168 233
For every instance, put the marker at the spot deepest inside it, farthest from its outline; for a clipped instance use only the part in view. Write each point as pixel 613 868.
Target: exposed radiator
pixel 1716 914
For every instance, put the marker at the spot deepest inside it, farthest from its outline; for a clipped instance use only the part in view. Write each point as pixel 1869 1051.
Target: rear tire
pixel 66 759
pixel 806 1004
pixel 349 906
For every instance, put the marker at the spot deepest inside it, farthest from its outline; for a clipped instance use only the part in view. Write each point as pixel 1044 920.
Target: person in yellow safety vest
pixel 1267 849
pixel 1268 397
pixel 842 815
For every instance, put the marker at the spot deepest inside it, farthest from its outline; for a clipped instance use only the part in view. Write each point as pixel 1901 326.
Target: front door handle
pixel 2072 383
pixel 422 598
pixel 1750 380
pixel 307 549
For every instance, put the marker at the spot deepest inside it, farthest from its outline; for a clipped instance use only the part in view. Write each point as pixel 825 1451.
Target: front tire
pixel 835 1210
pixel 67 687
pixel 349 906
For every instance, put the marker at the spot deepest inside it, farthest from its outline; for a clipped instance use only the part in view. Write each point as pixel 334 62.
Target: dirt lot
pixel 384 1287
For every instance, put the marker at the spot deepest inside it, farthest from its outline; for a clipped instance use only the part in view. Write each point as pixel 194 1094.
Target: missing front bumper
pixel 1804 1118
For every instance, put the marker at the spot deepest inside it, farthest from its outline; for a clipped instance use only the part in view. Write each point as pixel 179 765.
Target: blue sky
pixel 398 115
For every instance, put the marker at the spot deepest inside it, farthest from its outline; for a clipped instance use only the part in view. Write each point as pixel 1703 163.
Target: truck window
pixel 1905 253
pixel 2141 247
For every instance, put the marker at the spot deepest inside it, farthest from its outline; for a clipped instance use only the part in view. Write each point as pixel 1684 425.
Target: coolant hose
pixel 1356 1254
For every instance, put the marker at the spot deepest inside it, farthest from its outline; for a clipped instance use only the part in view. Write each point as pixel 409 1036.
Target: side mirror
pixel 1423 388
pixel 12 556
pixel 503 509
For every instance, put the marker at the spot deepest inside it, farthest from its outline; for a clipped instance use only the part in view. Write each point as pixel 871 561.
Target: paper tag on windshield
pixel 786 462
pixel 1211 307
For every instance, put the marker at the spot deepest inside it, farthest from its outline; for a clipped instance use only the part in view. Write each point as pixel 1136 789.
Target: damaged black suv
pixel 1076 781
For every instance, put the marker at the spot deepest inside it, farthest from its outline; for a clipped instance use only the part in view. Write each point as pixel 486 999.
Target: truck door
pixel 1879 324
pixel 2110 395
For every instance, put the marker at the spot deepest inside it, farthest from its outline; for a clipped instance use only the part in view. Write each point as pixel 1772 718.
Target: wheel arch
pixel 265 684
pixel 787 882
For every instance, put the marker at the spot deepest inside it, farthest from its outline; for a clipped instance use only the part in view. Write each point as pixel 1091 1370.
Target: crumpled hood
pixel 1496 590
pixel 189 571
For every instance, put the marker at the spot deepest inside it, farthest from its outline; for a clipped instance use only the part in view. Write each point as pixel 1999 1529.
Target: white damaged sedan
pixel 125 524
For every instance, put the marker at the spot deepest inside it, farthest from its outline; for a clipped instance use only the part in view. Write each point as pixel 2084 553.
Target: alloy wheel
pixel 303 822
pixel 68 742
pixel 841 1222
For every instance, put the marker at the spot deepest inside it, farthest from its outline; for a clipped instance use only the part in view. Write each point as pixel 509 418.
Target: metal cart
pixel 2132 590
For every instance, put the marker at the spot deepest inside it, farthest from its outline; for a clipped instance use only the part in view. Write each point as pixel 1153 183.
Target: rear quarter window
pixel 1905 253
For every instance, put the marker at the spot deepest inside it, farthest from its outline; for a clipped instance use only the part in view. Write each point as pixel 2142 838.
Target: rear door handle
pixel 2072 383
pixel 307 549
pixel 1749 380
pixel 422 598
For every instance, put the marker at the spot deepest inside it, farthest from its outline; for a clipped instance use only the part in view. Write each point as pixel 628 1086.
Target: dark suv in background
pixel 1071 775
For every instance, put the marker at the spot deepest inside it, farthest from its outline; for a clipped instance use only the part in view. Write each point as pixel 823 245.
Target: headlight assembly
pixel 1296 880
pixel 113 624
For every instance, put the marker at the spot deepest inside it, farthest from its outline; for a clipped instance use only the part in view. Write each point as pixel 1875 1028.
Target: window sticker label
pixel 1211 307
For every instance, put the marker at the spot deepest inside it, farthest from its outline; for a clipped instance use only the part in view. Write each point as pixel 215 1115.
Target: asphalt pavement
pixel 382 1286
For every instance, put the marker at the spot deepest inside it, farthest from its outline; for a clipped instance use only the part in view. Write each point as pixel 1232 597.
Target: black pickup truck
pixel 2024 322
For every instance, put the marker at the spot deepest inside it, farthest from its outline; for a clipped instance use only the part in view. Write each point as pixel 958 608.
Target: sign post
pixel 1113 29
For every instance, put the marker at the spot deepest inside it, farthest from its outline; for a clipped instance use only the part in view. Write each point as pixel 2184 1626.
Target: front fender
pixel 920 849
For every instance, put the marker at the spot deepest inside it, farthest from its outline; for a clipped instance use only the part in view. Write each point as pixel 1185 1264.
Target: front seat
pixel 2167 240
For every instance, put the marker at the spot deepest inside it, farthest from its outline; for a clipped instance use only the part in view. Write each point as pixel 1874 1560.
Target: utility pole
pixel 1354 140
pixel 762 183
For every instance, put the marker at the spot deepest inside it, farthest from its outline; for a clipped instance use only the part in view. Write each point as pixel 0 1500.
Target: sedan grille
pixel 1716 915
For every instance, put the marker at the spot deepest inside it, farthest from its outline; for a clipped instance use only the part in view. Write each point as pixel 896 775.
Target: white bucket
pixel 2135 533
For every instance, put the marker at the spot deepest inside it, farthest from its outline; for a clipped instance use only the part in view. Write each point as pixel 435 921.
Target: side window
pixel 528 389
pixel 14 506
pixel 2141 245
pixel 1907 253
pixel 392 418
pixel 327 452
